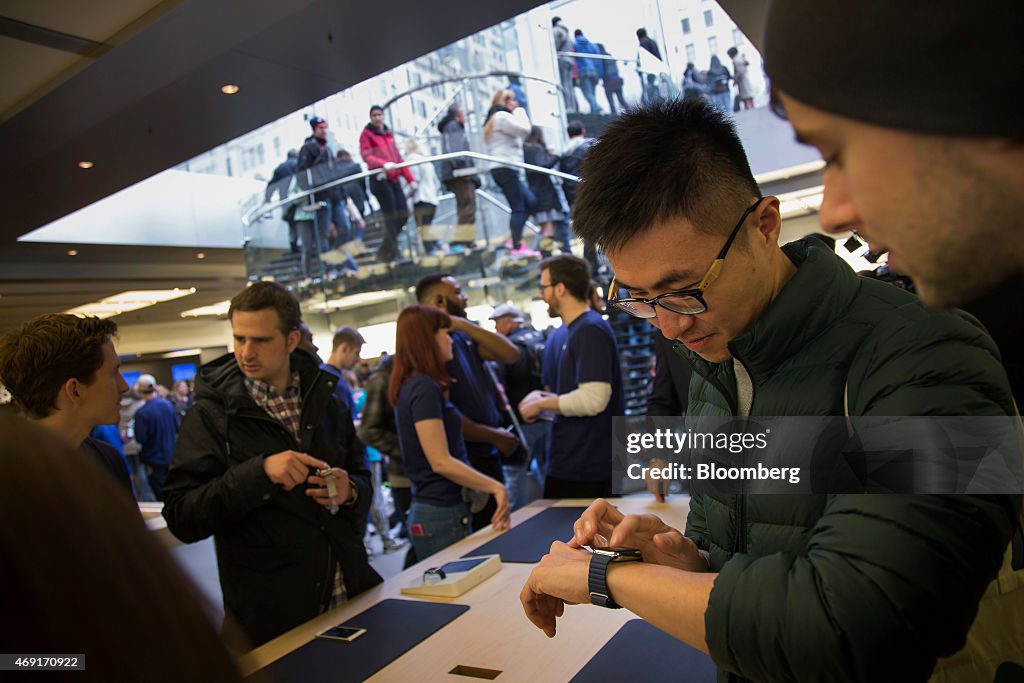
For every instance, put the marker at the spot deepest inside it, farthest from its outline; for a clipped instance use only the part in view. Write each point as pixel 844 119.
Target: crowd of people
pixel 465 424
pixel 841 586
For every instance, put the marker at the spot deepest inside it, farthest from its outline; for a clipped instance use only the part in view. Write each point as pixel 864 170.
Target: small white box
pixel 459 577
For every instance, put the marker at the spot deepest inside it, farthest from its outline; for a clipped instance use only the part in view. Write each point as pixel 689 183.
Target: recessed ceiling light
pixel 200 255
pixel 72 252
pixel 85 164
pixel 229 89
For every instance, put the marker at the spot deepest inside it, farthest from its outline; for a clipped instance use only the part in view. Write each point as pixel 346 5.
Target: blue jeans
pixel 519 200
pixel 433 528
pixel 334 213
pixel 722 101
pixel 588 84
pixel 538 436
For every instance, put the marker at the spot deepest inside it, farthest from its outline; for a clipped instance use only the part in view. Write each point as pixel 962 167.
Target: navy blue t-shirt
pixel 421 398
pixel 342 391
pixel 156 430
pixel 583 351
pixel 473 392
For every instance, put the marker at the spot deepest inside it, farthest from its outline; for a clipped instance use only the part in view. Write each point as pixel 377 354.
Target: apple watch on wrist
pixel 597 579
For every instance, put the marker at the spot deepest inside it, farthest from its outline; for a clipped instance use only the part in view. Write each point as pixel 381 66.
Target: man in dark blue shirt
pixel 584 381
pixel 156 430
pixel 474 392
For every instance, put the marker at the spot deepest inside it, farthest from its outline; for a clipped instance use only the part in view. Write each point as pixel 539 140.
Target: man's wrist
pixel 353 494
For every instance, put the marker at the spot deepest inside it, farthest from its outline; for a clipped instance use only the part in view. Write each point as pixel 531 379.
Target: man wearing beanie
pixel 925 160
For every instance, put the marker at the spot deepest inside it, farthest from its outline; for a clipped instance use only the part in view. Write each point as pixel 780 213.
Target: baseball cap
pixel 503 310
pixel 316 121
pixel 146 384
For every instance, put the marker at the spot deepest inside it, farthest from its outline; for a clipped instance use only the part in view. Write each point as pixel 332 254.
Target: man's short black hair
pixel 376 107
pixel 264 294
pixel 577 33
pixel 732 51
pixel 663 161
pixel 575 128
pixel 426 286
pixel 571 271
pixel 555 20
pixel 641 33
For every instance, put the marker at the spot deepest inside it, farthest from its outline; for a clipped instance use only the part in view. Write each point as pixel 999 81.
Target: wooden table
pixel 494 633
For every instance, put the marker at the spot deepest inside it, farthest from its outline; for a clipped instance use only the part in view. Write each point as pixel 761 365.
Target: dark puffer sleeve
pixel 889 583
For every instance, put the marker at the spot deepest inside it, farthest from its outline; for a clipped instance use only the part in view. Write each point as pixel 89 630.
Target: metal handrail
pixel 267 207
pixel 466 77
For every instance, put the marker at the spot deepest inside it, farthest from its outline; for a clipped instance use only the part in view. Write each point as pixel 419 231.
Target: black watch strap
pixel 597 581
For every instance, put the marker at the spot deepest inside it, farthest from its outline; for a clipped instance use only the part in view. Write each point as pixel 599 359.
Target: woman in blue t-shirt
pixel 430 435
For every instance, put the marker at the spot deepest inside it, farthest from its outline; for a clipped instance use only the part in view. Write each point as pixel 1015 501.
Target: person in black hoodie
pixel 280 184
pixel 459 175
pixel 356 190
pixel 548 208
pixel 316 166
pixel 251 468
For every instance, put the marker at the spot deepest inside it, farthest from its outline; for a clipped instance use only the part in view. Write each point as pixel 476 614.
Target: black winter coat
pixel 540 183
pixel 276 549
pixel 317 166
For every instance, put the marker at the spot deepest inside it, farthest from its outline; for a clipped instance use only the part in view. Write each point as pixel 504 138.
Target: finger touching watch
pixel 597 579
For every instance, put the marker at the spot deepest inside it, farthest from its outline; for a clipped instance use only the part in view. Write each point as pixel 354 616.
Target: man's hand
pixel 532 404
pixel 561 578
pixel 657 542
pixel 290 468
pixel 320 493
pixel 502 517
pixel 505 442
pixel 659 487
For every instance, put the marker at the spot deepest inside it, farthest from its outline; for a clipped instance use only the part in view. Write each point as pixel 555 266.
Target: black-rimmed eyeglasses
pixel 683 301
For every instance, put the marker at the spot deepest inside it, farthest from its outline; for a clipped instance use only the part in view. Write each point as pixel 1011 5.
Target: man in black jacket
pixel 316 166
pixel 280 184
pixel 269 464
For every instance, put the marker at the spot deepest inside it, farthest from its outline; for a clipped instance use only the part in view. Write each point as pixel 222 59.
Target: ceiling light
pixel 219 308
pixel 229 89
pixel 200 255
pixel 181 353
pixel 128 301
pixel 356 300
pixel 72 252
pixel 85 164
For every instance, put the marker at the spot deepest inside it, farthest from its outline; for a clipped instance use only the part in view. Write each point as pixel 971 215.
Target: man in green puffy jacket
pixel 780 587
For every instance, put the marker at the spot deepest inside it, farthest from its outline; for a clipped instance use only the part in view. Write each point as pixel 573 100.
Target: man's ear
pixel 293 339
pixel 769 219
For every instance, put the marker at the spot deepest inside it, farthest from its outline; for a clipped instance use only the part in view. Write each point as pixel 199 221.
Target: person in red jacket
pixel 378 148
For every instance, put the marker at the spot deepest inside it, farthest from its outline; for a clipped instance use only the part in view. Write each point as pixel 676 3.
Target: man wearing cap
pixel 519 379
pixel 156 430
pixel 63 372
pixel 832 585
pixel 925 161
pixel 315 167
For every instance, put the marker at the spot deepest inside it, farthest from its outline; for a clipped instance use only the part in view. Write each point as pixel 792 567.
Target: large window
pixel 686 27
pixel 737 37
pixel 709 18
pixel 713 45
pixel 691 52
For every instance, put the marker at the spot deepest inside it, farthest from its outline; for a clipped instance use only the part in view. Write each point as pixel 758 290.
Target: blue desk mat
pixel 531 540
pixel 393 627
pixel 641 652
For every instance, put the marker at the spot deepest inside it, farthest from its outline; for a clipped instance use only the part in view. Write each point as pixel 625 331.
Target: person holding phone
pixel 430 435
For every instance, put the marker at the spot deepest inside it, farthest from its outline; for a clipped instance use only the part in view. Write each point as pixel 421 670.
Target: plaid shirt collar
pixel 285 407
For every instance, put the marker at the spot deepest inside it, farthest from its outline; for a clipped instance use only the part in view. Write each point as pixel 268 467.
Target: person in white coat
pixel 424 197
pixel 506 127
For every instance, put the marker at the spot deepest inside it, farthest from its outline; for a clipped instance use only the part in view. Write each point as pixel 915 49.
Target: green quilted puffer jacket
pixel 848 587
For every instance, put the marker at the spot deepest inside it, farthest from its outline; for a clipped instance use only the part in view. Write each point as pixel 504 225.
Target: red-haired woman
pixel 430 435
